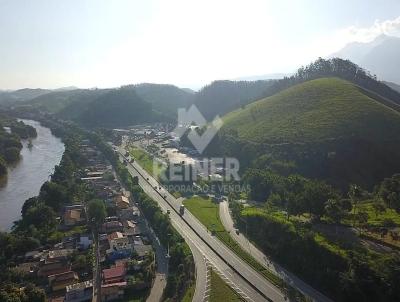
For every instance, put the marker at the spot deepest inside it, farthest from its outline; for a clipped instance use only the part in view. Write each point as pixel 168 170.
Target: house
pixel 59 255
pixel 32 255
pixel 112 226
pixel 84 242
pixel 113 291
pixel 114 274
pixel 73 217
pixel 121 202
pixel 53 268
pixel 130 228
pixel 142 250
pixel 119 242
pixel 79 292
pixel 126 214
pixel 120 246
pixel 115 235
pixel 62 280
pixel 27 267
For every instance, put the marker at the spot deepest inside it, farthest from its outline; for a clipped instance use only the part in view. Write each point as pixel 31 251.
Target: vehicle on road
pixel 181 209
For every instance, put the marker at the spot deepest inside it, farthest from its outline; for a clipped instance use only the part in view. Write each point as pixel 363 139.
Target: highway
pixel 244 279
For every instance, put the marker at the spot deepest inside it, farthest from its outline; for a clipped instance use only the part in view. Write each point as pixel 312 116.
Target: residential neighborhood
pixel 69 271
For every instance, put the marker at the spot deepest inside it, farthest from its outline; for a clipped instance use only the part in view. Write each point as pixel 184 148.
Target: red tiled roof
pixel 114 272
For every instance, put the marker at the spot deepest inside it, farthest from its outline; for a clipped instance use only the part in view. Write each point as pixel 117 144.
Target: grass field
pixel 143 158
pixel 220 291
pixel 188 297
pixel 207 212
pixel 378 219
pixel 315 110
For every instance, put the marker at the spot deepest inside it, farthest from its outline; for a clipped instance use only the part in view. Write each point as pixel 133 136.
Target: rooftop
pixel 81 285
pixel 114 272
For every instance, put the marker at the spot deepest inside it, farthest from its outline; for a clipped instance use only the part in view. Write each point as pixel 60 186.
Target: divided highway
pixel 243 278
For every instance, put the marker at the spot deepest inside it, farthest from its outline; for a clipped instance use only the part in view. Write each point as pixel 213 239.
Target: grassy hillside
pixel 316 110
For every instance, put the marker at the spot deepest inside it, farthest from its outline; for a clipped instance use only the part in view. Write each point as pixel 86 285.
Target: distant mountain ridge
pixel 394 86
pixel 8 97
pixel 380 56
pixel 217 98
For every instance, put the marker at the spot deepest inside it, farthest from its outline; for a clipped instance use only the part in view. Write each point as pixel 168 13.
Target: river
pixel 27 176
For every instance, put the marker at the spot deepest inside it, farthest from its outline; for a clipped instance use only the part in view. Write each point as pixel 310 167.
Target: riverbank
pixel 25 178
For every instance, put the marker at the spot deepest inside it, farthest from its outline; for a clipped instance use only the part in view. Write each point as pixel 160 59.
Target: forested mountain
pixel 10 97
pixel 166 99
pixel 217 98
pixel 322 127
pixel 221 97
pixel 67 104
pixel 336 67
pixel 118 108
pixel 393 86
pixel 381 56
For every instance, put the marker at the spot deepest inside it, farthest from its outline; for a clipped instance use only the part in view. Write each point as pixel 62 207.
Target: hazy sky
pixel 104 43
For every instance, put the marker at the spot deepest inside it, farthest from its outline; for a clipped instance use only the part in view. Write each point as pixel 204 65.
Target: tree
pixel 389 191
pixel 362 219
pixel 316 194
pixel 3 166
pixel 11 154
pixel 34 294
pixel 97 211
pixel 53 195
pixel 335 211
pixel 42 217
pixel 30 202
pixel 355 195
pixel 379 207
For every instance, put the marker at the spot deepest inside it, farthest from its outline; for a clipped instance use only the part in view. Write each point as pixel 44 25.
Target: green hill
pixel 321 109
pixel 326 128
pixel 118 108
pixel 166 99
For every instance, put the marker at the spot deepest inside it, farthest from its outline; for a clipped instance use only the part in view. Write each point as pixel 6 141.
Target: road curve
pixel 245 280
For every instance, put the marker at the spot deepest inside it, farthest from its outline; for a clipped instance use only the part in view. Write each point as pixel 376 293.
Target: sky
pixel 103 43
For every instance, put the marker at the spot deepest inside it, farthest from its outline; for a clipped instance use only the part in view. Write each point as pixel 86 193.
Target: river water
pixel 27 176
